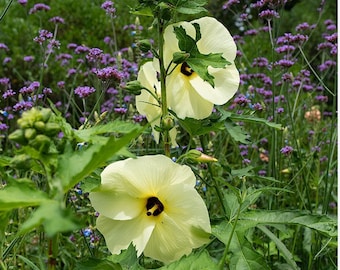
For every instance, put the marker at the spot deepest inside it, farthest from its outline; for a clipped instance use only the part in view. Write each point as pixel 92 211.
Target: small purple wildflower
pixel 7 60
pixel 280 110
pixel 120 110
pixel 321 98
pixel 229 3
pixel 4 47
pixel 3 126
pixel 28 58
pixel 84 91
pixel 57 20
pixel 22 2
pixel 8 93
pixel 262 172
pixel 94 55
pixel 108 6
pixel 287 150
pixel 39 7
pixel 269 14
pixel 109 73
pixel 23 105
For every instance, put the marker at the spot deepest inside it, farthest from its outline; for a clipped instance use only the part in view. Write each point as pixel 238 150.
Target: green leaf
pixel 53 217
pixel 243 256
pixel 200 127
pixel 195 261
pixel 198 62
pixel 73 167
pixel 321 223
pixel 20 193
pixel 237 132
pixel 28 262
pixel 283 249
pixel 189 6
pixel 247 118
pixel 97 264
pixel 87 135
pixel 127 258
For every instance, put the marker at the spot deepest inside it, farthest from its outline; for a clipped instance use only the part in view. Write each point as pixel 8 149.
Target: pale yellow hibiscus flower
pixel 151 202
pixel 147 103
pixel 188 95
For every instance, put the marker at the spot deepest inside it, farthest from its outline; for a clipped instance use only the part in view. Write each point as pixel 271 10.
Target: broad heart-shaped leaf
pixel 54 217
pixel 75 166
pixel 197 61
pixel 321 223
pixel 243 256
pixel 20 193
pixel 194 261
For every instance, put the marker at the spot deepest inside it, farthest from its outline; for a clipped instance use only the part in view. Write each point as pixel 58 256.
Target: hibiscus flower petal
pixel 119 234
pixel 226 84
pixel 115 205
pixel 183 98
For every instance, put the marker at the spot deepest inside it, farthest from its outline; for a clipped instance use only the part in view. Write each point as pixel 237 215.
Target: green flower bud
pixel 180 57
pixel 18 136
pixel 199 156
pixel 134 87
pixel 40 125
pixel 51 129
pixel 45 114
pixel 144 45
pixel 167 122
pixel 41 143
pixel 30 133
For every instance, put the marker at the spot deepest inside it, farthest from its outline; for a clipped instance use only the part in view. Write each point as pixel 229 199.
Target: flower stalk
pixel 164 105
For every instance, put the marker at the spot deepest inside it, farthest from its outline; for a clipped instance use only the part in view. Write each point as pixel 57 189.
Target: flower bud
pixel 41 143
pixel 18 136
pixel 51 129
pixel 199 156
pixel 180 57
pixel 39 125
pixel 134 87
pixel 167 122
pixel 30 133
pixel 144 45
pixel 45 114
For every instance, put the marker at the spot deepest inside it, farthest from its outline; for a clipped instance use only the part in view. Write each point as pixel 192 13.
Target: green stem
pixel 226 250
pixel 164 104
pixel 5 10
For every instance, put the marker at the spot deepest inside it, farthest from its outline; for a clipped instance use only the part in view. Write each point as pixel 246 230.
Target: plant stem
pixel 226 250
pixel 164 104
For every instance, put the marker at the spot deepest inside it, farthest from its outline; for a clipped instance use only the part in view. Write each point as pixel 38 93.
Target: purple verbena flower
pixel 57 20
pixel 4 47
pixel 229 3
pixel 269 14
pixel 22 2
pixel 94 55
pixel 84 91
pixel 28 58
pixel 108 6
pixel 8 93
pixel 39 7
pixel 109 73
pixel 287 150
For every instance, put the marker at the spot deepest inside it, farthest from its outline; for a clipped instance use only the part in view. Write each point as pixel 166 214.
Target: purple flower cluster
pixel 39 7
pixel 84 91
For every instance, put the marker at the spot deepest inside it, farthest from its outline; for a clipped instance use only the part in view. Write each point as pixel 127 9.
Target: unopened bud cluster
pixel 36 128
